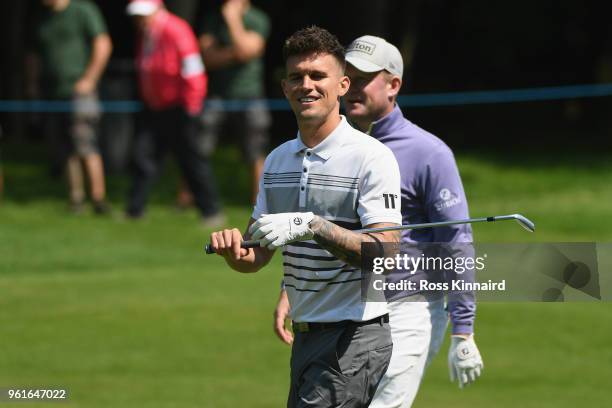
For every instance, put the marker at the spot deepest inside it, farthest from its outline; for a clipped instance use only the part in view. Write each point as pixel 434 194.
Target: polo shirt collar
pixel 387 123
pixel 333 142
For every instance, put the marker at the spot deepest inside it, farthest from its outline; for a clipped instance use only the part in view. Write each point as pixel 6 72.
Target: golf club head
pixel 524 222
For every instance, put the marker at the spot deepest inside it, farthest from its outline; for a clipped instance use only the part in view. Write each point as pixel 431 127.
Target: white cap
pixel 143 7
pixel 372 54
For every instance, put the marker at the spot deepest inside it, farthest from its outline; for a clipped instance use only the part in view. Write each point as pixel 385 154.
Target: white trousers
pixel 417 330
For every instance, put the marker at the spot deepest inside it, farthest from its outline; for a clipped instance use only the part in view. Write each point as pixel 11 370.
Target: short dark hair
pixel 316 40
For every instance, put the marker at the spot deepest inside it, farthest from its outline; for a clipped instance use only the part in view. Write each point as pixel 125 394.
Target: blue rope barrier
pixel 418 100
pixel 505 96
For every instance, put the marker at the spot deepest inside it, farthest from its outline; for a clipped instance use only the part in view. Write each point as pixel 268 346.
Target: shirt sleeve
pixel 445 200
pixel 94 21
pixel 261 206
pixel 193 75
pixel 379 189
pixel 444 196
pixel 462 304
pixel 259 23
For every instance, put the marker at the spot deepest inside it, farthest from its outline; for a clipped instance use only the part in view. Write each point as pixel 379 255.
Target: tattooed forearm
pixel 343 243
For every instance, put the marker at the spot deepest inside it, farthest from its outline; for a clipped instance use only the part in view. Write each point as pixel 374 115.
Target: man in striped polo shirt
pixel 316 188
pixel 431 191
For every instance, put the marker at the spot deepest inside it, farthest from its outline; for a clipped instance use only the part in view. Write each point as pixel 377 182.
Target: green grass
pixel 134 314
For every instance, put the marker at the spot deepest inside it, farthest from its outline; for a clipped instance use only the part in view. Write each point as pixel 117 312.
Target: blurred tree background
pixel 449 46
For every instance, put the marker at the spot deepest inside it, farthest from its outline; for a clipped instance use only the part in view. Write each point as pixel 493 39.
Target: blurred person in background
pixel 233 41
pixel 67 53
pixel 173 86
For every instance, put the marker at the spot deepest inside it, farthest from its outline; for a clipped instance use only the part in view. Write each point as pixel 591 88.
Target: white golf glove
pixel 464 361
pixel 276 230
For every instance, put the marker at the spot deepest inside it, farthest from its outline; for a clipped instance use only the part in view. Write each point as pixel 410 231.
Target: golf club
pixel 522 220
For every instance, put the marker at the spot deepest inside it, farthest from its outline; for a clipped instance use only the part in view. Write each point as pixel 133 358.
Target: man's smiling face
pixel 313 85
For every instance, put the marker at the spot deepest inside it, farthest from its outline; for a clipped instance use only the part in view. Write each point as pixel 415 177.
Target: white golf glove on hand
pixel 464 361
pixel 276 230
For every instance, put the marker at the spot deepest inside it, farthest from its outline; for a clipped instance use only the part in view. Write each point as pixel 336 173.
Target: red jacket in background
pixel 170 68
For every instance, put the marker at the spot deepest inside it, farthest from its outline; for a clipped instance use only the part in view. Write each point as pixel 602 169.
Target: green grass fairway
pixel 134 314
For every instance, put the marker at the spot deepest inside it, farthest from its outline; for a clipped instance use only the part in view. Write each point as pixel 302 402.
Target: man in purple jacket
pixel 431 191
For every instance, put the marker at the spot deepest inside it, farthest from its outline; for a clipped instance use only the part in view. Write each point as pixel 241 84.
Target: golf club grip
pixel 245 244
pixel 522 220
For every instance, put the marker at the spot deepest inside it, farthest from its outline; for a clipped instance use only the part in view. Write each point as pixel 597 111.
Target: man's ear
pixel 344 85
pixel 394 86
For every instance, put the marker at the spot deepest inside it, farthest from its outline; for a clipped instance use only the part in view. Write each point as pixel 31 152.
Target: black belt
pixel 304 327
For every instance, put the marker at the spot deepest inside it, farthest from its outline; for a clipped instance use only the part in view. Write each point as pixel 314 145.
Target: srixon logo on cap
pixel 363 46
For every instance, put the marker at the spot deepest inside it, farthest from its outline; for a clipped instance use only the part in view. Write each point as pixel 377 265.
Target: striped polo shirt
pixel 350 179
